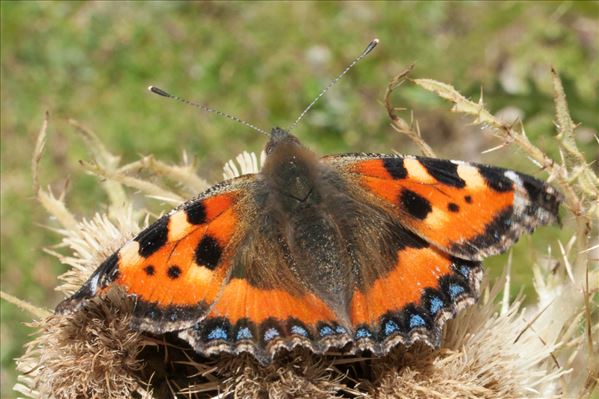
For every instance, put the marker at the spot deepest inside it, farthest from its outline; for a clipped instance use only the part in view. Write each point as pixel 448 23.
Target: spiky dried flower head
pixel 91 354
pixel 488 351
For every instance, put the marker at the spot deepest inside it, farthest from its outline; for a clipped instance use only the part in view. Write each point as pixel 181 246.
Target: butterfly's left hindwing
pixel 177 267
pixel 467 210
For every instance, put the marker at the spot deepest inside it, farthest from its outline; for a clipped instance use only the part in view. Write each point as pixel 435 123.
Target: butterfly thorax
pixel 299 198
pixel 291 171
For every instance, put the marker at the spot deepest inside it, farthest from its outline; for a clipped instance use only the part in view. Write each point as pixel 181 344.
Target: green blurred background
pixel 264 62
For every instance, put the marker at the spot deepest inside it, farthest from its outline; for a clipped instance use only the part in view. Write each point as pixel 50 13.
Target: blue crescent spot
pixel 299 330
pixel 326 330
pixel 464 271
pixel 436 304
pixel 217 333
pixel 244 333
pixel 270 334
pixel 340 330
pixel 416 321
pixel 391 327
pixel 455 290
pixel 363 333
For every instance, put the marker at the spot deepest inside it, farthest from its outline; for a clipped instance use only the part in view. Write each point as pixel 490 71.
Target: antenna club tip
pixel 158 91
pixel 375 40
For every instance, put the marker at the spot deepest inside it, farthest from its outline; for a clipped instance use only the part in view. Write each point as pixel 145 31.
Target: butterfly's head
pixel 290 168
pixel 280 138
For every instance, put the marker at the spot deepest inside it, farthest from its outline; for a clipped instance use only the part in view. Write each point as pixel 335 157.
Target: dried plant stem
pixel 35 311
pixel 106 159
pixel 566 127
pixel 399 124
pixel 40 144
pixel 184 175
pixel 144 186
pixel 588 185
pixel 55 206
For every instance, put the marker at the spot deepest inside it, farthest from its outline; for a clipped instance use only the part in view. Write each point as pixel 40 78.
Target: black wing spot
pixel 444 171
pixel 208 252
pixel 149 270
pixel 395 167
pixel 153 238
pixel 453 207
pixel 173 272
pixel 495 178
pixel 196 212
pixel 468 199
pixel 416 205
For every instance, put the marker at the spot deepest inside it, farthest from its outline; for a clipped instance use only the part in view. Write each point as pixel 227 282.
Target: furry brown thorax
pixel 290 168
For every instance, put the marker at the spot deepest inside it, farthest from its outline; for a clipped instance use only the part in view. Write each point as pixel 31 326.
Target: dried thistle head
pixel 88 354
pixel 489 350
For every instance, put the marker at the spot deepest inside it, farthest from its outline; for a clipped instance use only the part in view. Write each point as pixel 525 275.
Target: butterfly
pixel 356 251
pixel 369 250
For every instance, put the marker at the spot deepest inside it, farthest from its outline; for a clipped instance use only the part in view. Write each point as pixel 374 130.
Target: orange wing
pixel 260 321
pixel 425 288
pixel 454 215
pixel 468 210
pixel 176 267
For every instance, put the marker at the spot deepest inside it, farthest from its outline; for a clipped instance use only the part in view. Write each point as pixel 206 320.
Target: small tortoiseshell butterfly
pixel 363 251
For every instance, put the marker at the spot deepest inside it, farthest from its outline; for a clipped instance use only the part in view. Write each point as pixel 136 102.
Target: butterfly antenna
pixel 163 93
pixel 364 53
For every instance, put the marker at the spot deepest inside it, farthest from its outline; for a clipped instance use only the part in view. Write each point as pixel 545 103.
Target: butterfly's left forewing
pixel 467 210
pixel 177 267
